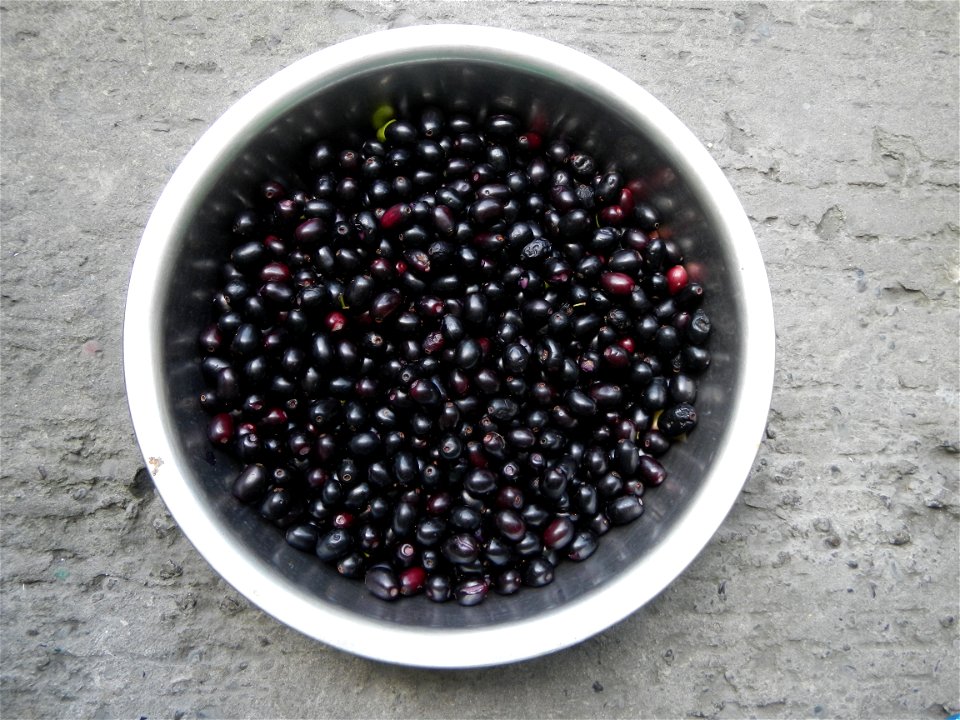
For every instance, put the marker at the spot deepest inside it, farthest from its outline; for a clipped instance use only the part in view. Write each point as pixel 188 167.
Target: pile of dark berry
pixel 452 360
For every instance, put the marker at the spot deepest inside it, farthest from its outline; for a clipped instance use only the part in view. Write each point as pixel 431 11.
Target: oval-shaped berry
pixel 461 549
pixel 411 580
pixel 385 304
pixel 302 537
pixel 616 283
pixel 382 582
pixel 624 509
pixel 508 582
pixel 651 471
pixel 676 279
pixel 471 591
pixel 364 444
pixel 310 231
pixel 468 354
pixel 334 545
pixel 580 403
pixel 251 483
pixel 220 429
pixel 584 544
pixel 539 572
pixel 559 533
pixel 480 482
pixel 437 588
pixel 510 525
pixel 395 216
pixel 515 358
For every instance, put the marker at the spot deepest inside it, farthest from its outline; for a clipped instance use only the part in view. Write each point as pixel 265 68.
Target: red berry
pixel 275 418
pixel 412 580
pixel 335 321
pixel 617 283
pixel 395 215
pixel 612 215
pixel 676 279
pixel 342 520
pixel 530 141
pixel 220 430
pixel 272 190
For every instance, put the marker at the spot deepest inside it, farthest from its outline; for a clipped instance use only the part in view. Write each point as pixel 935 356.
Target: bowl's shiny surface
pixel 454 67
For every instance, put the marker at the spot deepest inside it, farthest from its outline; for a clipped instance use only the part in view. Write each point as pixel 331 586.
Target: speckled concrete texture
pixel 832 588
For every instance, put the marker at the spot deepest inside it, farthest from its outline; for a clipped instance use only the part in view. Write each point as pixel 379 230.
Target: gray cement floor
pixel 832 588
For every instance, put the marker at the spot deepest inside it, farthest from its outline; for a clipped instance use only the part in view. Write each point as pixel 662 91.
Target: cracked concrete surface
pixel 832 588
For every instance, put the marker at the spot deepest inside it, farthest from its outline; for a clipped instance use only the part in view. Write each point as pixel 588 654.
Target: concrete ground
pixel 832 588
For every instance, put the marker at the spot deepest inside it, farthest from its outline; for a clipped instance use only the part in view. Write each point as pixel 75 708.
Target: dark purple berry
pixel 651 471
pixel 515 358
pixel 352 566
pixel 251 484
pixel 302 537
pixel 584 544
pixel 558 534
pixel 677 420
pixel 616 283
pixel 385 304
pixel 334 545
pixel 382 582
pixel 468 354
pixel 471 591
pixel 466 518
pixel 624 509
pixel 364 444
pixel 539 572
pixel 510 525
pixel 404 519
pixel 276 504
pixel 437 588
pixel 461 549
pixel 580 403
pixel 220 429
pixel 508 582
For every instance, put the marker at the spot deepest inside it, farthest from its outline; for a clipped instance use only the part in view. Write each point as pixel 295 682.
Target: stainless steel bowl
pixel 455 67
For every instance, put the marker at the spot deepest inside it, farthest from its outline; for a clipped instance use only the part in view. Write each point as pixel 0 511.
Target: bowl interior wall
pixel 279 150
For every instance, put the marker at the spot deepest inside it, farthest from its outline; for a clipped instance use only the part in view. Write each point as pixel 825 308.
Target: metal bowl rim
pixel 416 646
